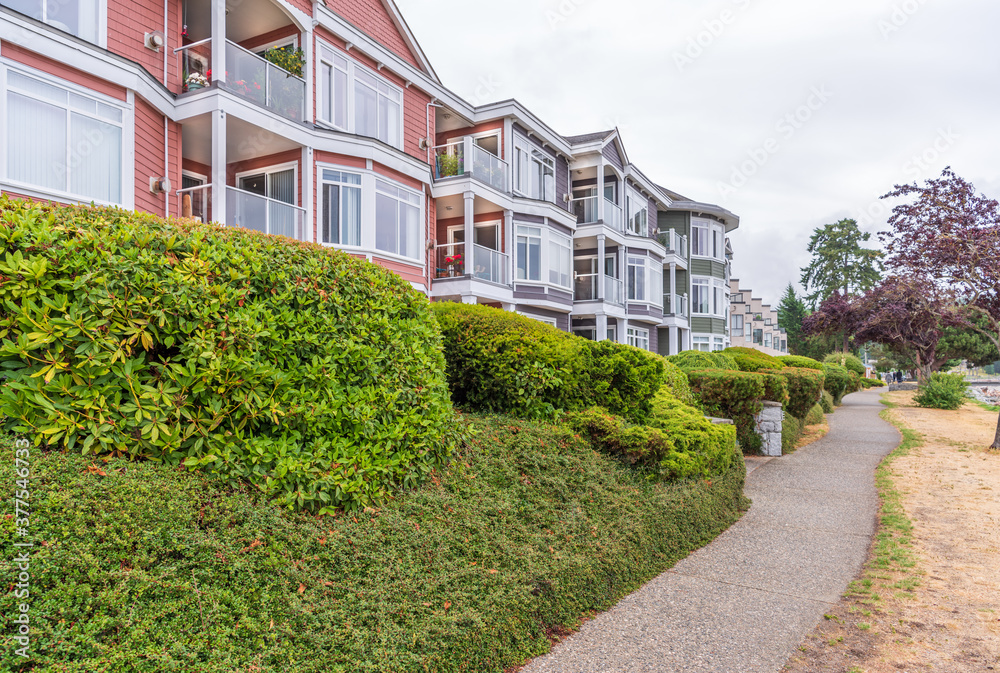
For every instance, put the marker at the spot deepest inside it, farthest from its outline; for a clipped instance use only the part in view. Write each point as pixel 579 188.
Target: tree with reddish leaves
pixel 949 233
pixel 837 315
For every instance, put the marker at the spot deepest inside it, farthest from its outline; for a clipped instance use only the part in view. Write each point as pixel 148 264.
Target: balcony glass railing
pixel 614 290
pixel 488 168
pixel 268 216
pixel 260 81
pixel 674 242
pixel 613 216
pixel 195 202
pixel 449 260
pixel 586 288
pixel 490 265
pixel 675 304
pixel 585 209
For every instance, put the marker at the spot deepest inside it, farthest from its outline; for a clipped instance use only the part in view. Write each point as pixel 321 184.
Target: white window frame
pixel 632 197
pixel 127 126
pixel 321 212
pixel 737 322
pixel 551 322
pixel 705 284
pixel 420 216
pixel 565 244
pixel 102 22
pixel 718 344
pixel 526 155
pixel 351 71
pixel 636 261
pixel 546 237
pixel 638 337
pixel 268 170
pixel 699 341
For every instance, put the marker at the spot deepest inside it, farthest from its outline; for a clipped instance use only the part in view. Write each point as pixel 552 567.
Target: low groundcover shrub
pixel 315 377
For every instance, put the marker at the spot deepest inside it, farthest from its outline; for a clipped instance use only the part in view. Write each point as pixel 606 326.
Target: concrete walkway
pixel 744 603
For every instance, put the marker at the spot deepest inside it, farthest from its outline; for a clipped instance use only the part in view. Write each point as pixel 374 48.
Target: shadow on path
pixel 744 602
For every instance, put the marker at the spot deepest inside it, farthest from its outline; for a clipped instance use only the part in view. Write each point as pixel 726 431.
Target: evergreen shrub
pixel 753 360
pixel 801 362
pixel 791 432
pixel 315 377
pixel 736 395
pixel 850 362
pixel 688 360
pixel 943 391
pixel 826 402
pixel 805 387
pixel 815 416
pixel 838 382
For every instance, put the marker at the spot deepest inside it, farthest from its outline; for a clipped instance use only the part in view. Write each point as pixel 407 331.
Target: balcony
pixel 586 288
pixel 489 169
pixel 585 210
pixel 488 265
pixel 675 304
pixel 247 75
pixel 247 210
pixel 674 243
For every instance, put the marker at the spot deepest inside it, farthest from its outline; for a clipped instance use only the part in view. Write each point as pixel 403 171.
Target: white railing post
pixel 219 41
pixel 219 199
pixel 600 266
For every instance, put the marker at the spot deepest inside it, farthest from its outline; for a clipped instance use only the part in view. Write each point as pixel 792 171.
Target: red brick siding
pixel 130 20
pixel 47 65
pixel 372 18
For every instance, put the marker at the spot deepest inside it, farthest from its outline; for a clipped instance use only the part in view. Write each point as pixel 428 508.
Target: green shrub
pixel 775 386
pixel 677 382
pixel 736 395
pixel 816 416
pixel 701 360
pixel 826 402
pixel 752 360
pixel 498 361
pixel 149 570
pixel 851 363
pixel 805 386
pixel 683 444
pixel 801 362
pixel 791 432
pixel 316 377
pixel 872 383
pixel 838 382
pixel 943 391
pixel 855 384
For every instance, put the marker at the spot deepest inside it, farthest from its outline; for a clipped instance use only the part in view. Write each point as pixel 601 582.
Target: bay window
pixel 699 239
pixel 63 141
pixel 542 251
pixel 638 338
pixel 535 172
pixel 560 260
pixel 637 278
pixel 708 239
pixel 529 253
pixel 397 220
pixel 701 298
pixel 638 212
pixel 356 100
pixel 340 220
pixel 77 17
pixel 720 299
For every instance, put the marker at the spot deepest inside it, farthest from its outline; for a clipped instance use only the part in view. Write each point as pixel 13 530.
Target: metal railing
pixel 195 202
pixel 262 82
pixel 489 265
pixel 613 216
pixel 450 162
pixel 196 65
pixel 268 216
pixel 674 242
pixel 614 290
pixel 449 260
pixel 675 304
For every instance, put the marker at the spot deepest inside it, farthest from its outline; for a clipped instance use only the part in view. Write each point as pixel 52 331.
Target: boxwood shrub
pixel 872 383
pixel 498 361
pixel 826 402
pixel 851 363
pixel 316 377
pixel 791 432
pixel 943 391
pixel 677 381
pixel 752 360
pixel 838 382
pixel 688 360
pixel 805 387
pixel 735 395
pixel 801 362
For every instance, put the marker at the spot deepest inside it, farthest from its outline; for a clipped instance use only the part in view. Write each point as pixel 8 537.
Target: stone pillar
pixel 768 424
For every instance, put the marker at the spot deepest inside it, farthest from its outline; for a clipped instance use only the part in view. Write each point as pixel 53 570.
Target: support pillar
pixel 600 267
pixel 602 327
pixel 470 232
pixel 600 191
pixel 219 41
pixel 219 138
pixel 508 228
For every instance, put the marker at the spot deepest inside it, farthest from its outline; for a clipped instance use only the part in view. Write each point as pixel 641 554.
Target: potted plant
pixel 453 263
pixel 291 60
pixel 194 81
pixel 449 165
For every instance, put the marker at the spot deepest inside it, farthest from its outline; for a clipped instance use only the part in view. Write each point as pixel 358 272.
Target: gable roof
pixel 587 138
pixel 409 38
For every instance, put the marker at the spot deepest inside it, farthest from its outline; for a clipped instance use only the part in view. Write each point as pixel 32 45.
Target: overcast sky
pixel 791 113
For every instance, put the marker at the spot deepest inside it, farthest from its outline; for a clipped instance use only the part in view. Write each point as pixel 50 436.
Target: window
pixel 746 330
pixel 589 333
pixel 560 259
pixel 701 344
pixel 638 338
pixel 767 340
pixel 701 298
pixel 77 17
pixel 613 333
pixel 737 298
pixel 699 239
pixel 62 141
pixel 354 99
pixel 535 172
pixel 397 220
pixel 737 323
pixel 719 345
pixel 638 212
pixel 529 253
pixel 718 250
pixel 551 322
pixel 767 322
pixel 340 221
pixel 758 336
pixel 637 278
pixel 720 299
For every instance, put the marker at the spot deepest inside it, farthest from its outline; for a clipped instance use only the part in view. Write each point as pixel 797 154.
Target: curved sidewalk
pixel 744 603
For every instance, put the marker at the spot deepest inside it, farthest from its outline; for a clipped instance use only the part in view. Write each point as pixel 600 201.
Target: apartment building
pixel 755 324
pixel 325 122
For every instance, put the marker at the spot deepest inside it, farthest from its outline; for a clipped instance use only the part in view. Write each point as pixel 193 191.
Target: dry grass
pixel 813 433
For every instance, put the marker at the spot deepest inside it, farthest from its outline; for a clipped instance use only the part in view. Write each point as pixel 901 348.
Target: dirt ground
pixel 943 613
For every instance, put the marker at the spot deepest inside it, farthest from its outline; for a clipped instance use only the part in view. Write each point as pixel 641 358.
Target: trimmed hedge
pixel 851 363
pixel 735 395
pixel 805 387
pixel 688 360
pixel 801 362
pixel 815 416
pixel 316 377
pixel 680 443
pixel 501 362
pixel 826 402
pixel 677 381
pixel 791 432
pixel 838 382
pixel 752 360
pixel 872 383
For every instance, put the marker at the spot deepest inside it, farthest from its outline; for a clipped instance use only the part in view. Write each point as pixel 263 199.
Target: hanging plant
pixel 291 59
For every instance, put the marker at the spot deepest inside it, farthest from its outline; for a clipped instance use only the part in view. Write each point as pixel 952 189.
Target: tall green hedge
pixel 752 360
pixel 687 360
pixel 838 382
pixel 851 363
pixel 738 396
pixel 805 387
pixel 801 362
pixel 498 361
pixel 316 377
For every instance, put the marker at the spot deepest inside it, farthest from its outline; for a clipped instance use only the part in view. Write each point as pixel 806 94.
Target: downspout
pixel 430 195
pixel 166 120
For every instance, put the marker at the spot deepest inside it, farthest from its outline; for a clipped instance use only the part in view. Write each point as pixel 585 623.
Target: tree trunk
pixel 996 440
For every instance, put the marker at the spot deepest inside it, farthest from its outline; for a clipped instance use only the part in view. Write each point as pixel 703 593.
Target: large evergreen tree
pixel 791 312
pixel 840 263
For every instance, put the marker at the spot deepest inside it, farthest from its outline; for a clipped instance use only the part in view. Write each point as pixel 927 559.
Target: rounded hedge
pixel 316 377
pixel 850 362
pixel 498 361
pixel 805 387
pixel 801 362
pixel 677 382
pixel 838 382
pixel 687 360
pixel 752 360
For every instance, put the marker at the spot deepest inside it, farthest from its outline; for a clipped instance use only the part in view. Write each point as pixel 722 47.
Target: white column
pixel 600 189
pixel 218 40
pixel 470 230
pixel 623 332
pixel 219 166
pixel 602 327
pixel 508 225
pixel 674 345
pixel 307 49
pixel 600 268
pixel 308 171
pixel 673 289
